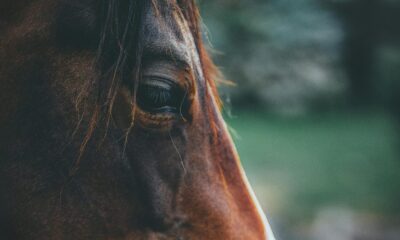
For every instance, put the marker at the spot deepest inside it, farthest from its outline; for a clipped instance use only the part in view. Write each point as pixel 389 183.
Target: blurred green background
pixel 315 111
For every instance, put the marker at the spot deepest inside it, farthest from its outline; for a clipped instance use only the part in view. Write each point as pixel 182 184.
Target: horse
pixel 111 126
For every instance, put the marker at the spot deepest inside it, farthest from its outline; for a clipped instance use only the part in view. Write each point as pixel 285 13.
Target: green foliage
pixel 301 165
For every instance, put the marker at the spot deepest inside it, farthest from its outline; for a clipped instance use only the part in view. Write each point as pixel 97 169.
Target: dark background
pixel 315 110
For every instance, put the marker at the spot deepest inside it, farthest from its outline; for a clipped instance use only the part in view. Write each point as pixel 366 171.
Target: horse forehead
pixel 168 33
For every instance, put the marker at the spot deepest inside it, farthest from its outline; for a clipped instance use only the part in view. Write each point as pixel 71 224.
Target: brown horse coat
pixel 110 126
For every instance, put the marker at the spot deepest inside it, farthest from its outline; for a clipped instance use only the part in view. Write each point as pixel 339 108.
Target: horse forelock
pixel 120 55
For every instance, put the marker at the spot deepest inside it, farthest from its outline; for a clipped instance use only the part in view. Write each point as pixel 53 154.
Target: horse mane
pixel 119 59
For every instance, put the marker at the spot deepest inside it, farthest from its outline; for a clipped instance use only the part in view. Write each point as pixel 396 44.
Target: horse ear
pixel 77 23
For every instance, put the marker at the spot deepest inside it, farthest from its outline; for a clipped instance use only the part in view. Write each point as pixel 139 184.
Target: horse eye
pixel 160 96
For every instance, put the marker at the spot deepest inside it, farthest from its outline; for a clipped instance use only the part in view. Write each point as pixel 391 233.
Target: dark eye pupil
pixel 155 99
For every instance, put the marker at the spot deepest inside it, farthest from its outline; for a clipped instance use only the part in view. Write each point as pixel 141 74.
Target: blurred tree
pixel 372 51
pixel 283 54
pixel 299 55
pixel 370 27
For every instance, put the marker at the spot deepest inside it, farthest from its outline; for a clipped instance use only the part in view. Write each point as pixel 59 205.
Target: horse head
pixel 111 126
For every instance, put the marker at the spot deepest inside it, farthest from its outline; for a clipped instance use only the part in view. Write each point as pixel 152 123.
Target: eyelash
pixel 157 99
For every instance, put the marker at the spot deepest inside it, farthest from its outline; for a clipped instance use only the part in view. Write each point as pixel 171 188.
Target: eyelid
pixel 165 81
pixel 168 70
pixel 159 81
